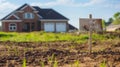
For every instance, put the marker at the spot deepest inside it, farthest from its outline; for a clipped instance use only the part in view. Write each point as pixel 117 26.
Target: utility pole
pixel 90 34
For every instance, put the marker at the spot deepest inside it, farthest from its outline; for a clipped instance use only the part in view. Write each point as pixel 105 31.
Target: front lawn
pixel 46 37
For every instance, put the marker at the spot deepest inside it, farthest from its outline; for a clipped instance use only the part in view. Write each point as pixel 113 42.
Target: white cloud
pixel 6 7
pixel 68 3
pixel 54 3
pixel 4 4
pixel 92 2
pixel 116 6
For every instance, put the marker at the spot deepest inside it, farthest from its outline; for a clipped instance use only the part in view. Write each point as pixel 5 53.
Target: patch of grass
pixel 47 37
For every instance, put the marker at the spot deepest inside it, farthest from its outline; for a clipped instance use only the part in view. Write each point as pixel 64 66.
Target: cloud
pixel 68 3
pixel 4 4
pixel 6 7
pixel 116 6
pixel 92 2
pixel 54 3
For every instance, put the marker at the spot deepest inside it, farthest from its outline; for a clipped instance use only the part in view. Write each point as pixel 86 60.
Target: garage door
pixel 60 27
pixel 49 27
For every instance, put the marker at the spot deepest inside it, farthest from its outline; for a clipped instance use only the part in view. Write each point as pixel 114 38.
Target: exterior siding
pixel 28 9
pixel 6 26
pixel 21 16
pixel 35 20
pixel 3 26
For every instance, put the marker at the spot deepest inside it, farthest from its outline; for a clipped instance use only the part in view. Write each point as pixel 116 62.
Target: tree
pixel 110 20
pixel 117 15
pixel 116 18
pixel 117 21
pixel 103 24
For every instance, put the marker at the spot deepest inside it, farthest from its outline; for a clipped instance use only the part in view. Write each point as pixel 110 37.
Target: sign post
pixel 90 34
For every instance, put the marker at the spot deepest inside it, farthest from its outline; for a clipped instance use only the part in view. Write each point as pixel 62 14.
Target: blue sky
pixel 72 9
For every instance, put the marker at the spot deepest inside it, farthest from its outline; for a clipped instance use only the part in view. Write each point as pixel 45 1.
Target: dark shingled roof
pixel 49 13
pixel 71 27
pixel 45 13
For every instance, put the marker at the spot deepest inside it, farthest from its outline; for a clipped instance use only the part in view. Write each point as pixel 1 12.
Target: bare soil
pixel 66 53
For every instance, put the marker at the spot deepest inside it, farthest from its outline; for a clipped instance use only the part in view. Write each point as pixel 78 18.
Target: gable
pixel 12 17
pixel 27 8
pixel 41 13
pixel 24 7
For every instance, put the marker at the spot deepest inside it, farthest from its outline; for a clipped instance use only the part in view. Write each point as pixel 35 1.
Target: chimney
pixel 90 16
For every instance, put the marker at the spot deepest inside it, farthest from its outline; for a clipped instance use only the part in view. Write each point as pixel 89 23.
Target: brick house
pixel 84 24
pixel 32 18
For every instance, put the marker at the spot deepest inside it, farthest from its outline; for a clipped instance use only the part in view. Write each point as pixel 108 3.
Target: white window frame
pixel 28 15
pixel 11 28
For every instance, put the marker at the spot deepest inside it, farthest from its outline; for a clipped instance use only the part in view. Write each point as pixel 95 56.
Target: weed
pixel 103 64
pixel 8 49
pixel 55 63
pixel 42 64
pixel 16 51
pixel 76 63
pixel 52 61
pixel 24 63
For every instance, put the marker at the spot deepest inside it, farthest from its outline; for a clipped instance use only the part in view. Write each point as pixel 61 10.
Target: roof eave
pixel 53 20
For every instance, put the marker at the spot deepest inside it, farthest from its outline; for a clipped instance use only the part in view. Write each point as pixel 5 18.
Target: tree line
pixel 114 20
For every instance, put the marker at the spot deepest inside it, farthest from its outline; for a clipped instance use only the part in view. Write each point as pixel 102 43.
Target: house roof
pixel 49 13
pixel 113 27
pixel 21 7
pixel 89 18
pixel 45 13
pixel 71 27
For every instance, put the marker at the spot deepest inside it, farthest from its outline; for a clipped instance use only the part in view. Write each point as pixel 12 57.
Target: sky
pixel 72 9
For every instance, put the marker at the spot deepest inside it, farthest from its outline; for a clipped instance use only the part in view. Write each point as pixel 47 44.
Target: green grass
pixel 47 37
pixel 103 64
pixel 24 63
pixel 42 64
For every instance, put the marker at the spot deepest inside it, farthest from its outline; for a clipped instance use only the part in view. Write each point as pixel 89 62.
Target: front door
pixel 38 25
pixel 32 26
pixel 26 27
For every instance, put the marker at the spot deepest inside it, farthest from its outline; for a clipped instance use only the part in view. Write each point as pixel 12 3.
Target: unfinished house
pixel 84 24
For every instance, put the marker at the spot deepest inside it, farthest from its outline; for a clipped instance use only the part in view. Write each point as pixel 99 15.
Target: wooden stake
pixel 90 34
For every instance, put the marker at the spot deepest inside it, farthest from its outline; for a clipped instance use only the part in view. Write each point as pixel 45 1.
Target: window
pixel 28 16
pixel 12 27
